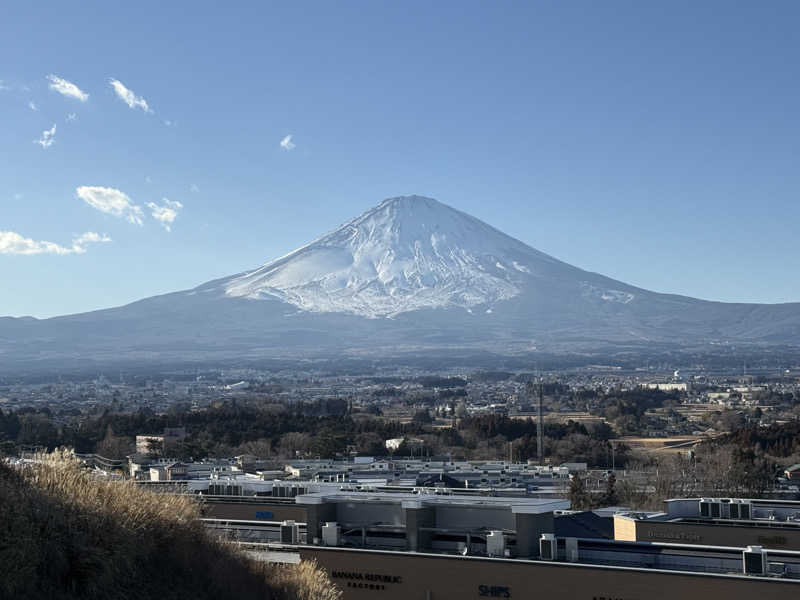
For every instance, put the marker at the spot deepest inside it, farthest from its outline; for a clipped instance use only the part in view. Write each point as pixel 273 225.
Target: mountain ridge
pixel 410 273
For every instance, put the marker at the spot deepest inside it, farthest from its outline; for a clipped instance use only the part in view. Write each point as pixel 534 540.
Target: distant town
pixel 606 418
pixel 375 475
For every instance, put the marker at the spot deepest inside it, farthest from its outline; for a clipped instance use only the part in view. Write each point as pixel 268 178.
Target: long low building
pixel 595 570
pixel 717 522
pixel 431 546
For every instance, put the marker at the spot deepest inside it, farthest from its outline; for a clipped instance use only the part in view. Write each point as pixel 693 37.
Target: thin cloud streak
pixel 110 201
pixel 12 242
pixel 128 97
pixel 67 88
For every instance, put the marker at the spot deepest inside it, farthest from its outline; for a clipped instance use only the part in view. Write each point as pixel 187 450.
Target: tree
pixel 261 448
pixel 610 493
pixel 154 447
pixel 422 417
pixel 113 446
pixel 370 444
pixel 579 496
pixel 294 443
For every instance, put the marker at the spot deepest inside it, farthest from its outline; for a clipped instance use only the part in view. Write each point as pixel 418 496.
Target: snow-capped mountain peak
pixel 407 253
pixel 450 280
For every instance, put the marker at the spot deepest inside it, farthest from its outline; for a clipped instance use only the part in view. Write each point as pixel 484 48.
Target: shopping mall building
pixel 435 545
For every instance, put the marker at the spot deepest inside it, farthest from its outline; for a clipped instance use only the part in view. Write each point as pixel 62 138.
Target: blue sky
pixel 656 143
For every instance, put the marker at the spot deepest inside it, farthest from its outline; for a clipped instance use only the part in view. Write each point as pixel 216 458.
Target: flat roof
pixel 521 504
pixel 760 501
pixel 584 563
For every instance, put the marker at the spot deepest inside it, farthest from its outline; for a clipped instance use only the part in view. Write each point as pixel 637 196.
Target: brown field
pixel 561 417
pixel 679 443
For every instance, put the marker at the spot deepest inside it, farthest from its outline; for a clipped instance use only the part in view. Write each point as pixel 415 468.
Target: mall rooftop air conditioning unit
pixel 496 543
pixel 331 534
pixel 754 561
pixel 547 547
pixel 571 549
pixel 290 533
pixel 745 511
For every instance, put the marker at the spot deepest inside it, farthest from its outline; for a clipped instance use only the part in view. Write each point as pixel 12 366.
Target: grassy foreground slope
pixel 65 534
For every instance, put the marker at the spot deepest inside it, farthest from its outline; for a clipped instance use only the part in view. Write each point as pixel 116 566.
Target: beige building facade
pixel 362 575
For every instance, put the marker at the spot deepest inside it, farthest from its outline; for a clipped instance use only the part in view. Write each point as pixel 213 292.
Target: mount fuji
pixel 406 254
pixel 409 274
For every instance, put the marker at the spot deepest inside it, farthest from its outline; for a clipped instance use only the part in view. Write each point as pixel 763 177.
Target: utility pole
pixel 539 419
pixel 613 458
pixel 540 424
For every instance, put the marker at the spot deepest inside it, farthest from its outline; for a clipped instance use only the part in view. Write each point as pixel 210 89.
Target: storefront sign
pixel 366 581
pixel 494 591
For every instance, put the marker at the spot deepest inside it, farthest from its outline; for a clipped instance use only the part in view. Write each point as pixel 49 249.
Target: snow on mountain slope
pixel 409 275
pixel 408 253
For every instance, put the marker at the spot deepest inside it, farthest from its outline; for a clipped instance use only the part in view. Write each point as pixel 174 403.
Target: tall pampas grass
pixel 67 534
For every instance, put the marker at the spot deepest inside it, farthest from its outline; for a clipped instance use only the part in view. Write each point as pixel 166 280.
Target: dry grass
pixel 301 582
pixel 66 534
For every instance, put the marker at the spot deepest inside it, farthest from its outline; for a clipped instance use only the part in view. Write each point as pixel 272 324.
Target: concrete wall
pixel 362 575
pixel 624 529
pixel 530 528
pixel 370 512
pixel 463 516
pixel 254 511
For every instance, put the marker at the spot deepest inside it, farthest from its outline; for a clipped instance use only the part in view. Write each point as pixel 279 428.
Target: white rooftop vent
pixel 496 543
pixel 331 534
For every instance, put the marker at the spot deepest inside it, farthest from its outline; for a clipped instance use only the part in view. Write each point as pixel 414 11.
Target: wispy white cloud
pixel 32 106
pixel 148 179
pixel 18 196
pixel 90 237
pixel 71 117
pixel 194 188
pixel 67 88
pixel 287 144
pixel 166 213
pixel 110 201
pixel 128 97
pixel 4 86
pixel 48 137
pixel 13 243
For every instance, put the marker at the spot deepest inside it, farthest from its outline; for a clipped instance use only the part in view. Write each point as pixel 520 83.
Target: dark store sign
pixel 494 591
pixel 778 540
pixel 366 581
